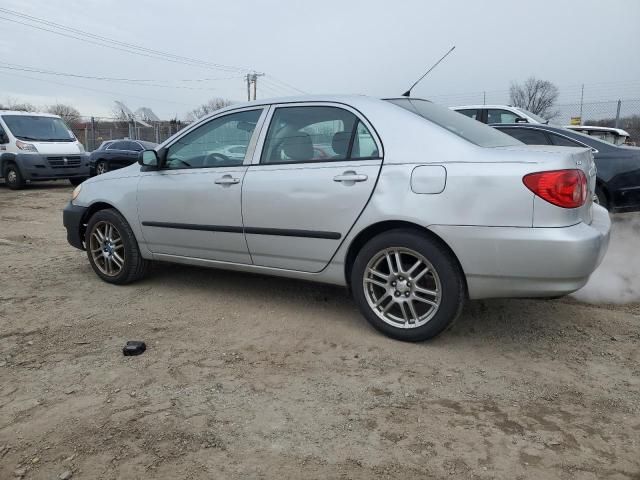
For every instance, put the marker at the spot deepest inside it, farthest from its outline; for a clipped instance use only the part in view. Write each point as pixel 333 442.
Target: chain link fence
pixel 623 114
pixel 92 131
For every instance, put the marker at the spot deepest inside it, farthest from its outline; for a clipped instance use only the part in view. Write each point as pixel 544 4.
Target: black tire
pixel 135 267
pixel 76 181
pixel 12 176
pixel 101 167
pixel 451 278
pixel 602 198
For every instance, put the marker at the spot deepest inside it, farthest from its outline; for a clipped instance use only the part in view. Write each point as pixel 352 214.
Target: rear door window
pixel 471 113
pixel 563 141
pixel 495 115
pixel 316 134
pixel 528 136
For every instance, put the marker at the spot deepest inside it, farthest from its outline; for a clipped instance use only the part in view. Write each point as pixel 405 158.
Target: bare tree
pixel 537 96
pixel 206 108
pixel 68 113
pixel 12 104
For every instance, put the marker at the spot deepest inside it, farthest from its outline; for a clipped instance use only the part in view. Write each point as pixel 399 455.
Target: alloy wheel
pixel 12 176
pixel 101 168
pixel 107 248
pixel 402 287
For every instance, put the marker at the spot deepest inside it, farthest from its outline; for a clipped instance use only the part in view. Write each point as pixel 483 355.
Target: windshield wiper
pixel 22 137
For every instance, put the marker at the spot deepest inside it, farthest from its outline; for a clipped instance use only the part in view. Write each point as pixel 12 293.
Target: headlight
pixel 27 147
pixel 76 192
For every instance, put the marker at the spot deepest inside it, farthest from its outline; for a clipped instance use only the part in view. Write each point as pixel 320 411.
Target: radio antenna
pixel 408 92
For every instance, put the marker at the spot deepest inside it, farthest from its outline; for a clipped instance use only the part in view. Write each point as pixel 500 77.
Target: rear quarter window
pixel 461 125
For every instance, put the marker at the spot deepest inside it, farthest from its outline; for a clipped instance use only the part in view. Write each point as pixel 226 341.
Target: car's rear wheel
pixel 12 177
pixel 101 167
pixel 112 248
pixel 407 285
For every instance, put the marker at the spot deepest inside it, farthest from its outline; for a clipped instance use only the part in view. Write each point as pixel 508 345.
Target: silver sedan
pixel 412 206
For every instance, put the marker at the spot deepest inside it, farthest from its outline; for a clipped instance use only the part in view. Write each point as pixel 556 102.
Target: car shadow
pixel 51 185
pixel 514 323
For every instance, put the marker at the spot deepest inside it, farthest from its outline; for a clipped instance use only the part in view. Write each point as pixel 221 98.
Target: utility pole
pixel 484 98
pixel 252 78
pixel 618 114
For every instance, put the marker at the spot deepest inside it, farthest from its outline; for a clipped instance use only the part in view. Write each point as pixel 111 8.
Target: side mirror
pixel 521 120
pixel 3 138
pixel 149 159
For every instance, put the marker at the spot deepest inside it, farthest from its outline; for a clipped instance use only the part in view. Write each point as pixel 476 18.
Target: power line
pixel 114 44
pixel 286 84
pixel 94 89
pixel 89 77
pixel 110 42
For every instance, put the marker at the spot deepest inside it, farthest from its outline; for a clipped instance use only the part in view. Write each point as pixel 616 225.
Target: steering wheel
pixel 215 157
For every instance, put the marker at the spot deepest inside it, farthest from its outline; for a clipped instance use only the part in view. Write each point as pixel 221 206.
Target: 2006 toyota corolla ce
pixel 416 208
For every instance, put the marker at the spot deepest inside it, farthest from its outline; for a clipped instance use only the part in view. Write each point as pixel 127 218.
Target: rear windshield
pixel 463 126
pixel 36 128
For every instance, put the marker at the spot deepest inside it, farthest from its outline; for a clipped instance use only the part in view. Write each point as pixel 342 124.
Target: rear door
pixel 311 177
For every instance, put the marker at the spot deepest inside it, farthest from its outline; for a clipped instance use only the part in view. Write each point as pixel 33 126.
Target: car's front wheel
pixel 13 177
pixel 112 248
pixel 407 285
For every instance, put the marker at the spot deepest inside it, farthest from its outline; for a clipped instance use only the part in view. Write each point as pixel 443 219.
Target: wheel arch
pixel 377 228
pixel 605 189
pixel 6 158
pixel 91 211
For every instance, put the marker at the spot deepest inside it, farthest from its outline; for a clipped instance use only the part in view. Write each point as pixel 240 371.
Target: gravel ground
pixel 255 377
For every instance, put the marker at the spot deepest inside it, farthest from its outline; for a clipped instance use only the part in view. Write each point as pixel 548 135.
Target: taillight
pixel 564 188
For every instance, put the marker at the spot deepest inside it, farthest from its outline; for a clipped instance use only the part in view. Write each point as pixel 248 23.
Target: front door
pixel 191 207
pixel 317 169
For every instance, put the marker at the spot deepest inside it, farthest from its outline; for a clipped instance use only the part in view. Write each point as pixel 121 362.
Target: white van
pixel 39 146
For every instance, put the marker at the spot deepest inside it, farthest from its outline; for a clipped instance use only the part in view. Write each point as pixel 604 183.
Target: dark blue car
pixel 618 178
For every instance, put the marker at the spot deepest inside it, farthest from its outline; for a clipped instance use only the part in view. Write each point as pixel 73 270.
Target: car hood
pixel 126 172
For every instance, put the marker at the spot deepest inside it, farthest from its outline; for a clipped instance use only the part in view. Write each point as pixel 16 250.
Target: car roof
pixel 28 114
pixel 352 100
pixel 482 106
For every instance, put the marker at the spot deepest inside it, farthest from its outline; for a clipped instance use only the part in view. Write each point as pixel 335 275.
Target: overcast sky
pixel 371 47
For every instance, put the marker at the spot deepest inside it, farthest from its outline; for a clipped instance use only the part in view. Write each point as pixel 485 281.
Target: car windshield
pixel 37 128
pixel 537 118
pixel 463 126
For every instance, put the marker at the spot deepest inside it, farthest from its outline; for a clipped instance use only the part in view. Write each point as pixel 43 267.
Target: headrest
pixel 298 146
pixel 340 143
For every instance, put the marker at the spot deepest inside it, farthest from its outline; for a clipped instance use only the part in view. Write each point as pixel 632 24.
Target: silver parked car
pixel 414 207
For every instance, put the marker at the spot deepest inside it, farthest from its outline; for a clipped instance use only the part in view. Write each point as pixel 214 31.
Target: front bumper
pixel 528 262
pixel 36 166
pixel 73 219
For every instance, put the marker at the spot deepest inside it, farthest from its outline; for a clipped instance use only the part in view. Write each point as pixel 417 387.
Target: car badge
pixel 65 160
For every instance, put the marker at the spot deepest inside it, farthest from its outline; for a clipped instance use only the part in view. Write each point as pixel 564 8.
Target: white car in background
pixel 499 114
pixel 616 136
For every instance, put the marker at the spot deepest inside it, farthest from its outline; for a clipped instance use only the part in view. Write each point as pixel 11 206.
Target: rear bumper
pixel 36 167
pixel 528 262
pixel 72 218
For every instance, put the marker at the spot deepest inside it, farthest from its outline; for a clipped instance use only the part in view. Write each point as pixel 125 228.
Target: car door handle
pixel 350 177
pixel 227 180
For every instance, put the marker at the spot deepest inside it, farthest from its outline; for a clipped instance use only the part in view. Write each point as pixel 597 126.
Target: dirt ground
pixel 255 377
